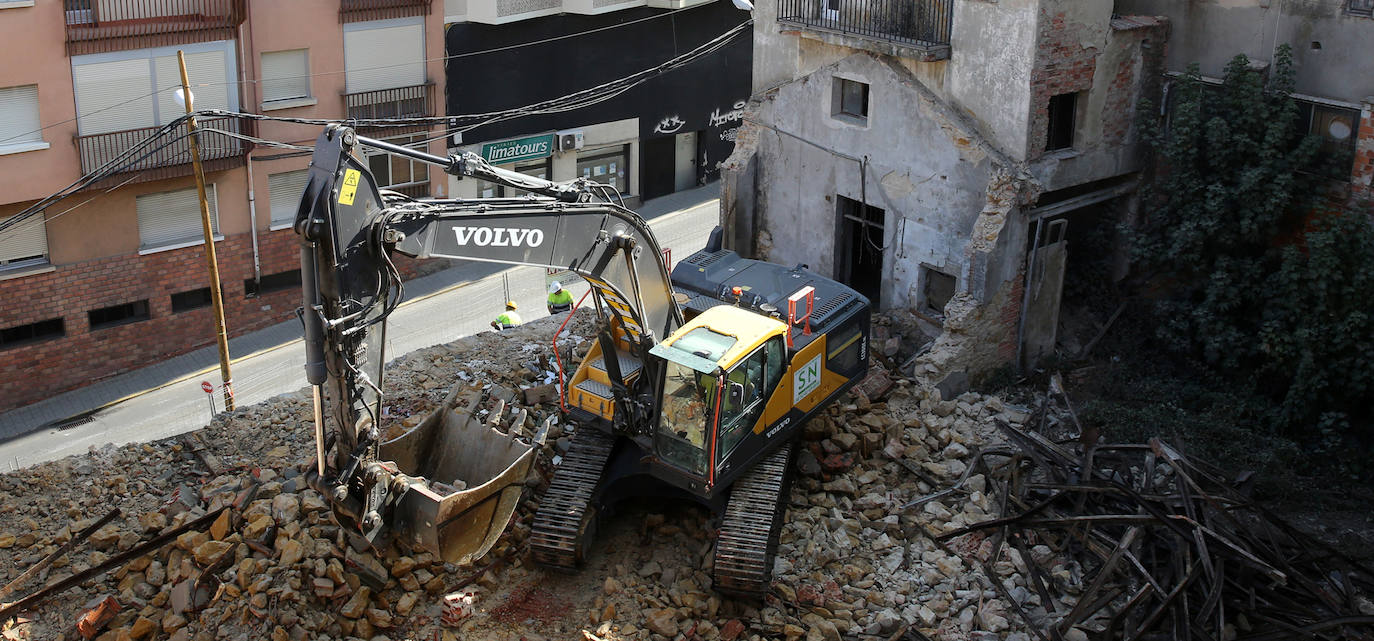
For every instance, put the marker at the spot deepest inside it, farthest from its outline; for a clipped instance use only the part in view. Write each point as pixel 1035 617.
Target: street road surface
pixel 466 306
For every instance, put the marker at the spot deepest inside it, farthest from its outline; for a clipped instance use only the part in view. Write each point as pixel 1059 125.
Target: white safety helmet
pixel 555 287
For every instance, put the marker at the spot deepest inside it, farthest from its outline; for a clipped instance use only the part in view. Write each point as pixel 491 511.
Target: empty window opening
pixel 118 314
pixel 860 248
pixel 187 301
pixel 1337 128
pixel 31 333
pixel 272 283
pixel 1061 121
pixel 937 288
pixel 850 101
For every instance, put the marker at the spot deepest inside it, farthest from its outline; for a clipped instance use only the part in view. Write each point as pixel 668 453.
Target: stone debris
pixel 851 562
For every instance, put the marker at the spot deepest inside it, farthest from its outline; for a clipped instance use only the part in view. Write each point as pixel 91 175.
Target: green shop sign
pixel 508 151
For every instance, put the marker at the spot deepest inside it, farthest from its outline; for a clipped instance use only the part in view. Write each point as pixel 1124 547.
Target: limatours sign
pixel 508 151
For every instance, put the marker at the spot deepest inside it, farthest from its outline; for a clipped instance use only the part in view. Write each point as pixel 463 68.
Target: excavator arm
pixel 349 231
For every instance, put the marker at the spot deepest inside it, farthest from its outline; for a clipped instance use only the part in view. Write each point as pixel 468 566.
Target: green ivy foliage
pixel 1265 283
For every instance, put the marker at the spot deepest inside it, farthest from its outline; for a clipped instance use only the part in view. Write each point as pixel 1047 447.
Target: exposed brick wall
pixel 975 339
pixel 1136 75
pixel 29 373
pixel 1062 65
pixel 1362 175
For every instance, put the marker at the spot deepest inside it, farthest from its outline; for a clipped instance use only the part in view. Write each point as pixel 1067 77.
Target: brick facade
pixel 1062 65
pixel 1362 174
pixel 34 371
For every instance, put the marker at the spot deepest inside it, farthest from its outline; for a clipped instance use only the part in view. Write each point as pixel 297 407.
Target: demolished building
pixel 934 155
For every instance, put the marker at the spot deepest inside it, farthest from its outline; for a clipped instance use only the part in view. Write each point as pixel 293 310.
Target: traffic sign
pixel 206 387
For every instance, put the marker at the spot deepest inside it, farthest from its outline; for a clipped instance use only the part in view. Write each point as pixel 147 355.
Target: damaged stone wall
pixel 1363 172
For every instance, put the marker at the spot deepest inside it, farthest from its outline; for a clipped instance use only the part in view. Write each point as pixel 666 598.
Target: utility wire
pixel 455 56
pixel 573 101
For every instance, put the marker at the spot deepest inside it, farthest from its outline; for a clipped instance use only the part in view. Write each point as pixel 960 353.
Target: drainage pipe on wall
pixel 245 31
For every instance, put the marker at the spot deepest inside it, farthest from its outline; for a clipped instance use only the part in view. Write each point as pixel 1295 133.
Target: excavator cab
pixel 719 371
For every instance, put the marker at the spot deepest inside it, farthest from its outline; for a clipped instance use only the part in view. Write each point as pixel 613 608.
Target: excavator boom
pixel 402 489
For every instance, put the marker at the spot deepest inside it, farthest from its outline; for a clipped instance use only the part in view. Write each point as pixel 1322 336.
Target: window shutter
pixel 173 217
pixel 208 73
pixel 284 193
pixel 19 115
pixel 25 241
pixel 384 57
pixel 285 75
pixel 113 96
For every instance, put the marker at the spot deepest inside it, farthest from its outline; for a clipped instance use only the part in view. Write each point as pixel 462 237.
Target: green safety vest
pixel 561 297
pixel 508 319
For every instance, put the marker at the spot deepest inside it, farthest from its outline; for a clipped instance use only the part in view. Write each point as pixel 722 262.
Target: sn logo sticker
pixel 807 379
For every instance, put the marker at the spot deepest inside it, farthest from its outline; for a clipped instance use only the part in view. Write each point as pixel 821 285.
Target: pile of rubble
pixel 214 535
pixel 253 553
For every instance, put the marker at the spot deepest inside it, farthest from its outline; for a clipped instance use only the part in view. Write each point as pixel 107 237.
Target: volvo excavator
pixel 696 385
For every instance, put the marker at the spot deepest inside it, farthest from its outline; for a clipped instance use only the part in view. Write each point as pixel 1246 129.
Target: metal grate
pixel 121 25
pixel 1360 7
pixel 920 24
pixel 702 260
pixel 828 307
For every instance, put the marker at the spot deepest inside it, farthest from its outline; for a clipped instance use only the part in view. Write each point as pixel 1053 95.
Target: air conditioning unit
pixel 569 140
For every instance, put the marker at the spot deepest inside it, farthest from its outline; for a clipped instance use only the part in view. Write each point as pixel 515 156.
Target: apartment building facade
pixel 114 277
pixel 667 134
pixel 932 154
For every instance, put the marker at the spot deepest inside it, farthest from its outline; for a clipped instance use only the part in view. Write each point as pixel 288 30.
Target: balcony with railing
pixel 363 10
pixel 909 28
pixel 169 155
pixel 98 26
pixel 416 101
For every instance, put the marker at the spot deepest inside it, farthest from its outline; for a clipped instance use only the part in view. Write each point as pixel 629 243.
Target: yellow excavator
pixel 695 386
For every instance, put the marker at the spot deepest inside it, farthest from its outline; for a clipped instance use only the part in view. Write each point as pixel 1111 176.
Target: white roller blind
pixel 26 241
pixel 19 115
pixel 206 70
pixel 285 75
pixel 384 57
pixel 141 92
pixel 113 96
pixel 173 217
pixel 284 193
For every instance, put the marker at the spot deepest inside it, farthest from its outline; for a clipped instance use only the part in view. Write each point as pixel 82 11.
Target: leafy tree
pixel 1263 281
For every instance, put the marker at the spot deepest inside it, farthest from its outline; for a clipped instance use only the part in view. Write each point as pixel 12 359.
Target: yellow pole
pixel 216 298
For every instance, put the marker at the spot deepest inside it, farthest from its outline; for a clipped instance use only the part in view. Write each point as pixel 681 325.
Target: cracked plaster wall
pixel 1211 32
pixel 946 190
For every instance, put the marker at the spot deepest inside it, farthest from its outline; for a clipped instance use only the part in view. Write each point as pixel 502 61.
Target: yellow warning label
pixel 350 186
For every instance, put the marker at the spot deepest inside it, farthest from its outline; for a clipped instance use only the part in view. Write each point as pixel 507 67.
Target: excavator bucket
pixel 455 448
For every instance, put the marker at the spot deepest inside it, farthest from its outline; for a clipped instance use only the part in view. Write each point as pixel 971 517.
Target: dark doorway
pixel 656 179
pixel 859 250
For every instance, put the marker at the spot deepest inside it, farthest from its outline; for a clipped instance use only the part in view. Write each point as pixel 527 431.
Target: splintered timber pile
pixel 1167 548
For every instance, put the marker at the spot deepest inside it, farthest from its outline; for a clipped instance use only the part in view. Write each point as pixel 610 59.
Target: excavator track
pixel 748 538
pixel 566 518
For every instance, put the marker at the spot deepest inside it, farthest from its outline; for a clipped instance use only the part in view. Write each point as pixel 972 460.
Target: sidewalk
pixel 268 362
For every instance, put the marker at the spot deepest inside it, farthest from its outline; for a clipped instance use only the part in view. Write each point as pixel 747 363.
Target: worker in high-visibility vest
pixel 507 319
pixel 560 300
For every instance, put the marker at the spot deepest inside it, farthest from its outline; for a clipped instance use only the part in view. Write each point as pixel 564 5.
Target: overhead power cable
pixel 318 74
pixel 569 102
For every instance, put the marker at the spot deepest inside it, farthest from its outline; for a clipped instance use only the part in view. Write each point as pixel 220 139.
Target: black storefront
pixel 689 112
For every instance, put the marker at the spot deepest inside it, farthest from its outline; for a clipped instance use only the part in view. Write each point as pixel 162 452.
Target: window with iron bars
pixel 1360 7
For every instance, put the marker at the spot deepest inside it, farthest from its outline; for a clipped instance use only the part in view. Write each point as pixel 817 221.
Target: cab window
pixel 754 378
pixel 686 417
